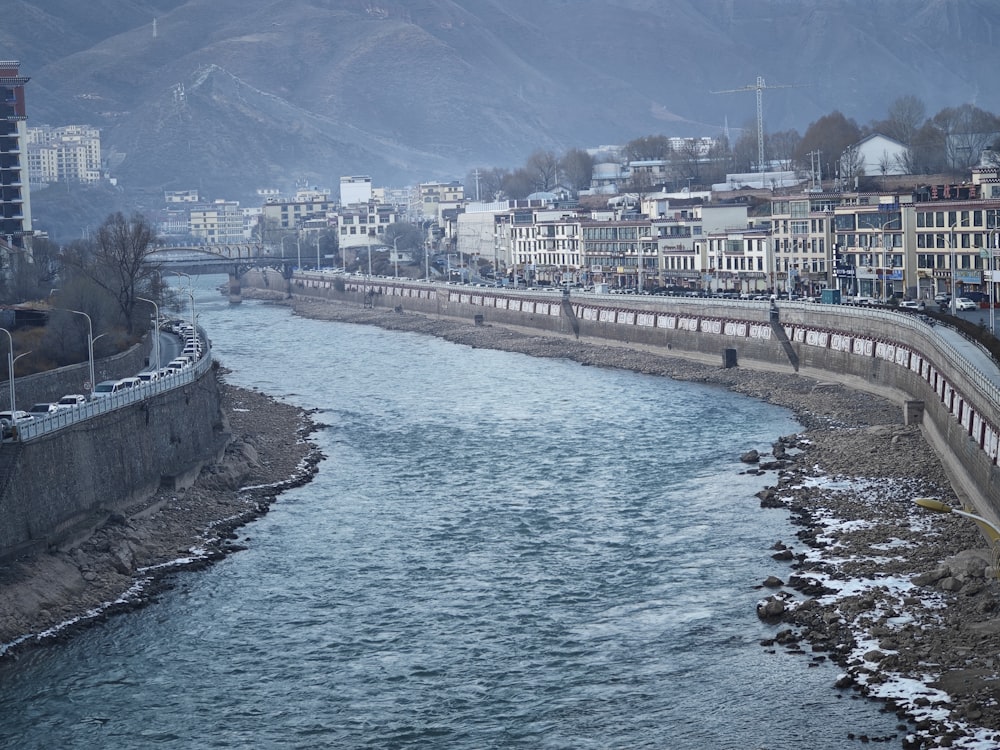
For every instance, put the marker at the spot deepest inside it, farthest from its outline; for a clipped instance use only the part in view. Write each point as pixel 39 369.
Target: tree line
pixel 951 141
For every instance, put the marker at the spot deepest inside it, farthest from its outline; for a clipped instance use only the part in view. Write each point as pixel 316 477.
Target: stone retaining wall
pixel 890 353
pixel 75 478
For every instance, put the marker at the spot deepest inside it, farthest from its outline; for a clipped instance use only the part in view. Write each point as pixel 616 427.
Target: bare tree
pixel 927 151
pixel 519 184
pixel 485 183
pixel 31 276
pixel 852 163
pixel 906 116
pixel 544 166
pixel 782 146
pixel 685 163
pixel 831 134
pixel 968 131
pixel 744 156
pixel 639 185
pixel 577 167
pixel 117 261
pixel 648 147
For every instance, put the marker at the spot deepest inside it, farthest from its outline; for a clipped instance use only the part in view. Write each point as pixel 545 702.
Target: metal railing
pixel 35 428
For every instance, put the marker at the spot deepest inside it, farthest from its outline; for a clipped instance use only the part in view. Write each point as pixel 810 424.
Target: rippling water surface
pixel 497 552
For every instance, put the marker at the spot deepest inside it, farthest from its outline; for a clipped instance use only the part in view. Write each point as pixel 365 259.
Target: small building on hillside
pixel 876 156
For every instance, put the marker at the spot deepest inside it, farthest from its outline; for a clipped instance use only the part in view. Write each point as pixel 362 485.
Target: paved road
pixel 971 351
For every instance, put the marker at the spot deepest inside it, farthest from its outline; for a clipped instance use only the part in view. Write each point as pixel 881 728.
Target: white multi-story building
pixel 220 222
pixel 355 190
pixel 364 225
pixel 71 153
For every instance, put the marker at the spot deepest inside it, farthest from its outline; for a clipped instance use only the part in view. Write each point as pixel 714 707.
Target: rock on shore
pixel 121 564
pixel 903 600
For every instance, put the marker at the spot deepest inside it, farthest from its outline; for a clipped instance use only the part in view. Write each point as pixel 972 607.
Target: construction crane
pixel 759 88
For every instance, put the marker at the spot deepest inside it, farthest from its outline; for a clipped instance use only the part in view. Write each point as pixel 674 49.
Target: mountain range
pixel 229 96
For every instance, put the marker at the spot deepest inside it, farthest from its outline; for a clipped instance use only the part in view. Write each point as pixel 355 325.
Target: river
pixel 497 552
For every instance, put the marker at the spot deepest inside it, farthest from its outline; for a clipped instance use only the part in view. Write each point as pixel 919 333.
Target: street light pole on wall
pixel 953 262
pixel 11 359
pixel 996 239
pixel 885 250
pixel 156 331
pixel 90 342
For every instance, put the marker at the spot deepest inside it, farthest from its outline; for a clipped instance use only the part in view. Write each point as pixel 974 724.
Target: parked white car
pixel 71 401
pixel 7 421
pixel 964 303
pixel 43 409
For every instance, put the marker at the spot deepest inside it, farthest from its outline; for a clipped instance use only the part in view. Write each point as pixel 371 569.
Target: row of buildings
pixel 917 243
pixel 914 243
pixel 794 237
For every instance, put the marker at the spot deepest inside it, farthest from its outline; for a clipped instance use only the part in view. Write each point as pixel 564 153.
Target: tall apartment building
pixel 71 153
pixel 220 222
pixel 285 215
pixel 15 203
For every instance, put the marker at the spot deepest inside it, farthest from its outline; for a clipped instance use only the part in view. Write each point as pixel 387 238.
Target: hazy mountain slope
pixel 232 95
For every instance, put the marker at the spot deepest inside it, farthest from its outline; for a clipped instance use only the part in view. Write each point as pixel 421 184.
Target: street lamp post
pixel 11 359
pixel 90 341
pixel 395 258
pixel 369 254
pixel 10 372
pixel 190 293
pixel 885 255
pixel 996 239
pixel 156 330
pixel 284 237
pixel 952 260
pixel 194 317
pixel 991 531
pixel 319 263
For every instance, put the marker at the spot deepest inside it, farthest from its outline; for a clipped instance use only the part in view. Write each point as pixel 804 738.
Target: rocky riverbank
pixel 901 599
pixel 123 564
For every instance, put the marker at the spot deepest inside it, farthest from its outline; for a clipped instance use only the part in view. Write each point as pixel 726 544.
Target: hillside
pixel 232 95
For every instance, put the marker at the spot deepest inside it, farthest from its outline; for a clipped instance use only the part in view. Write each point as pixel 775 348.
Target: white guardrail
pixel 29 430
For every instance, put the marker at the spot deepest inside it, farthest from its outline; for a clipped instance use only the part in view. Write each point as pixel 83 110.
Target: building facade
pixel 15 198
pixel 220 222
pixel 71 153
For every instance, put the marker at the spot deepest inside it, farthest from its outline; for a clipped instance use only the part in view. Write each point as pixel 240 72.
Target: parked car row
pixel 191 353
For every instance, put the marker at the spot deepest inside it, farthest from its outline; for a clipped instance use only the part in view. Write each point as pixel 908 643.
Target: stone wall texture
pixel 896 355
pixel 75 478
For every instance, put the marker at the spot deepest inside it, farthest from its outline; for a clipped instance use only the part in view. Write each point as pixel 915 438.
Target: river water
pixel 497 552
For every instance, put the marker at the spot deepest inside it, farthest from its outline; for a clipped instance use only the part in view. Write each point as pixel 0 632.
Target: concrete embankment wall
pixel 72 479
pixel 893 354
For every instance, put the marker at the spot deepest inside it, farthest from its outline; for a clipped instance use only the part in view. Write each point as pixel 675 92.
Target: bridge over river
pixel 233 258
